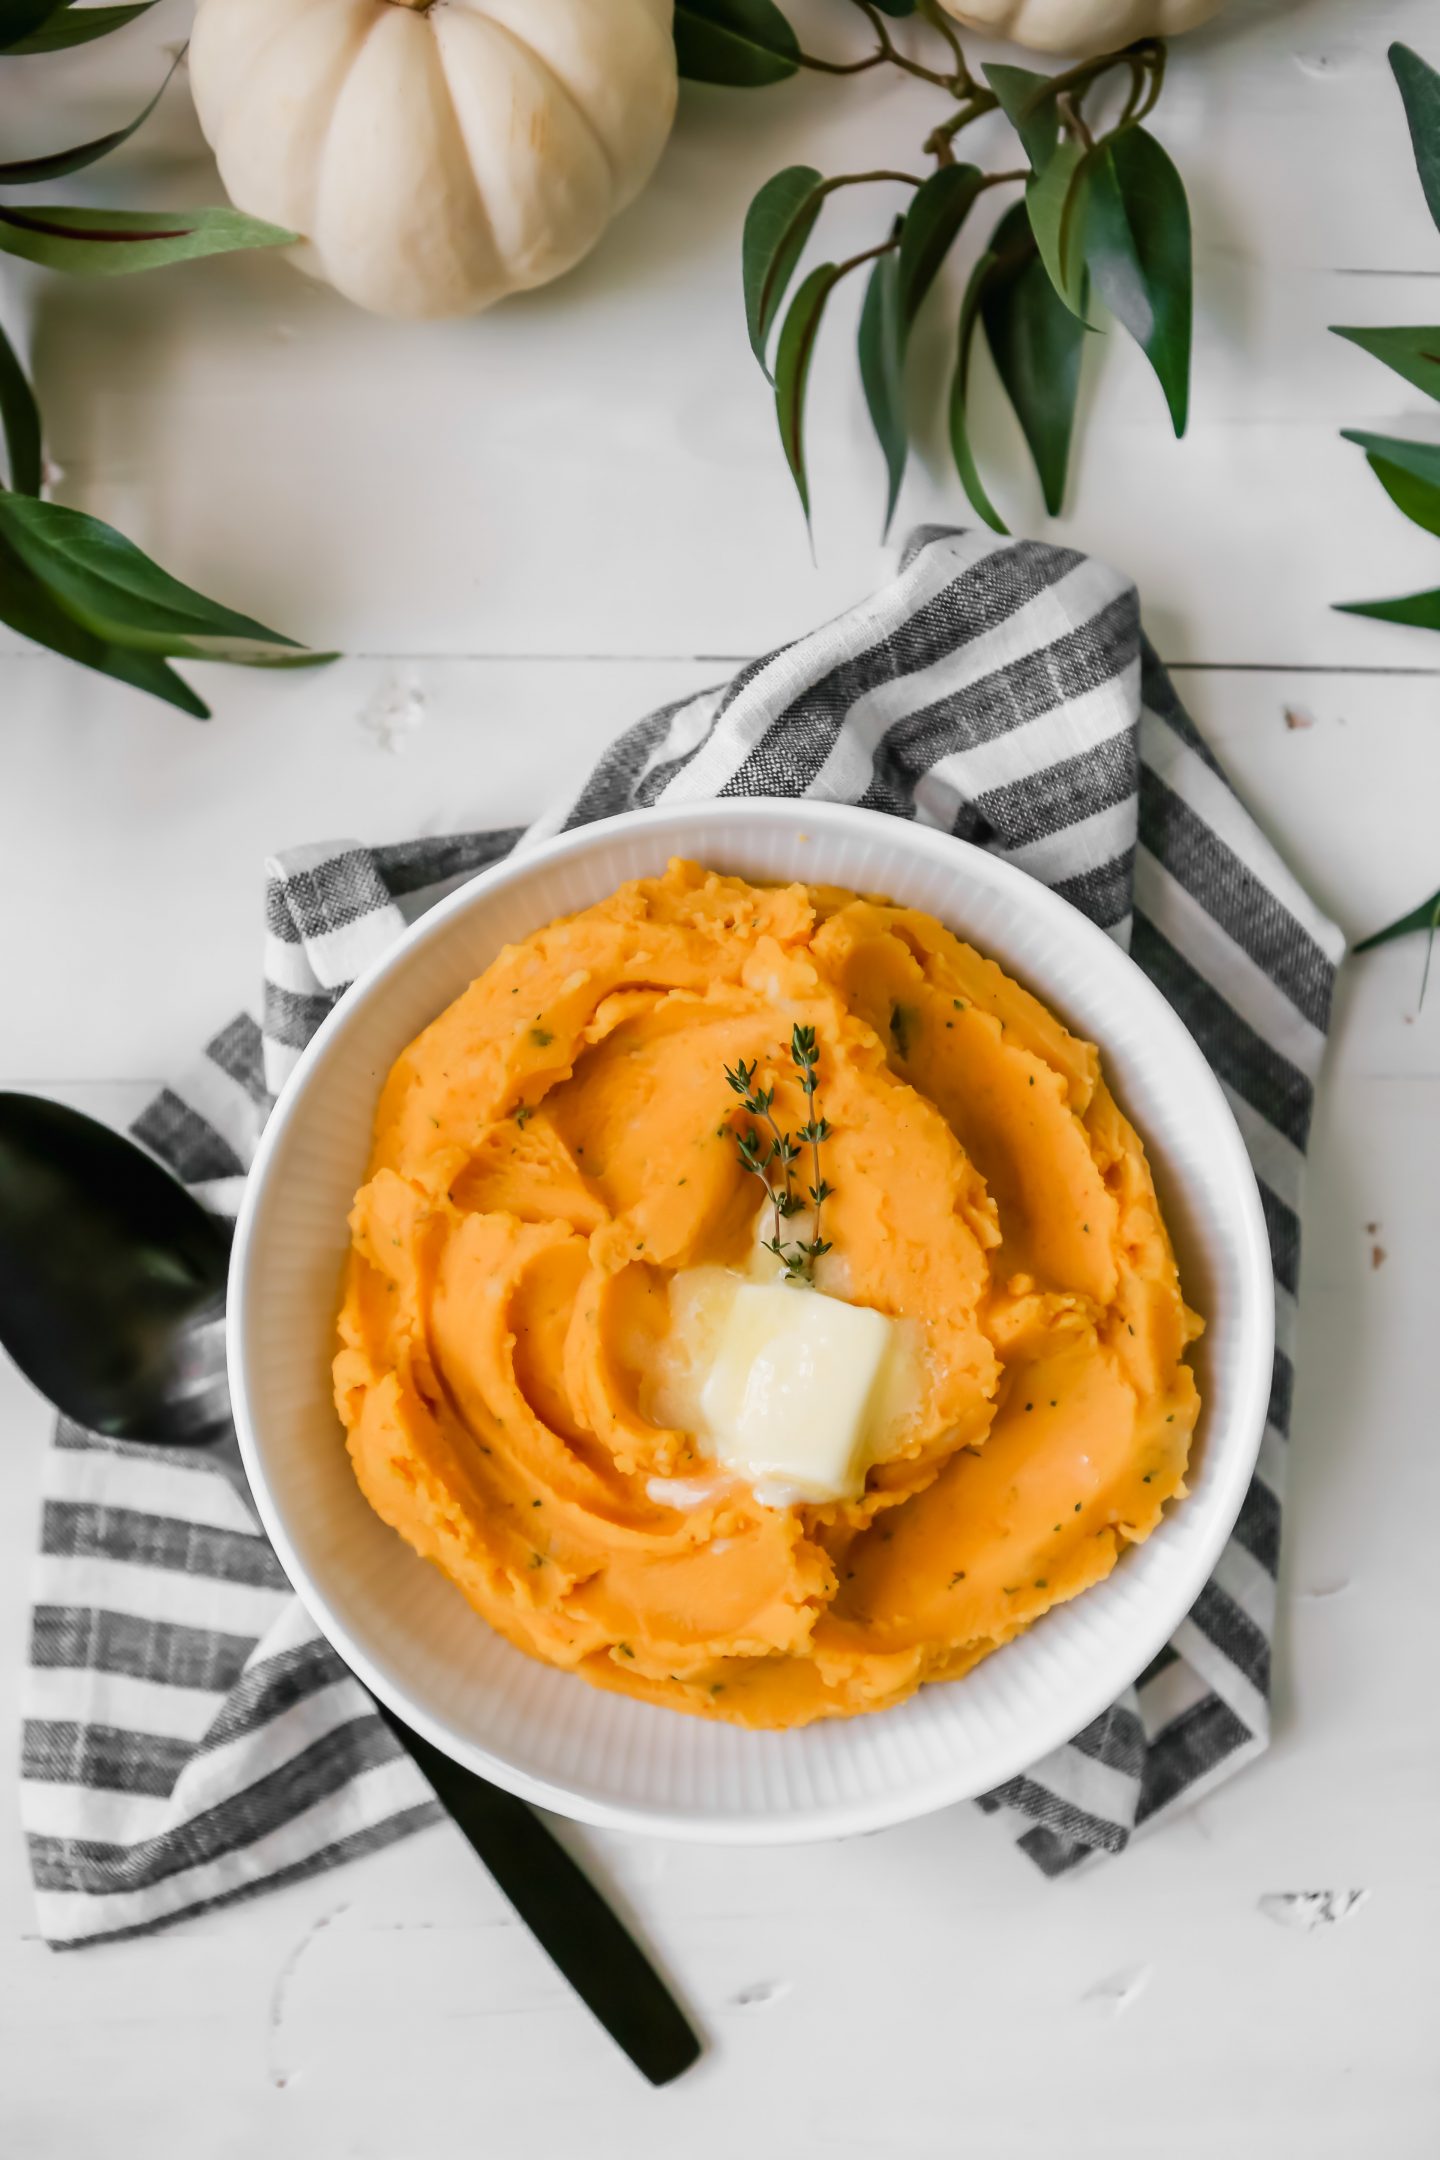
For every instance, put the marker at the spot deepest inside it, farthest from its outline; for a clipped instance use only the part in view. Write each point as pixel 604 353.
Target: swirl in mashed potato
pixel 555 1170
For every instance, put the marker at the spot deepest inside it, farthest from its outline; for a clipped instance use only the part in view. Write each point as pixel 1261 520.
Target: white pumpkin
pixel 1081 27
pixel 435 154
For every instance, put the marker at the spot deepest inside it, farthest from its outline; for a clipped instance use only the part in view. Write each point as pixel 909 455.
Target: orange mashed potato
pixel 561 1142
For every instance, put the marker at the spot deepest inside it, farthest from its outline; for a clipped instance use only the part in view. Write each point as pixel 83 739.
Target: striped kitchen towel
pixel 189 1738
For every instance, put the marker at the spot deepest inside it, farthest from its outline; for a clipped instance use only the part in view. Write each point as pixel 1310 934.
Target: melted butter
pixel 789 1388
pixel 687 1492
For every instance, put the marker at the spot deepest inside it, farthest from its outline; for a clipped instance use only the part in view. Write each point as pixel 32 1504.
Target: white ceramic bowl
pixel 549 1736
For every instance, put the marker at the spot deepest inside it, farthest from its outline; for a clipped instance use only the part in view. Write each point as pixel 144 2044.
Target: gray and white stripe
pixel 189 1739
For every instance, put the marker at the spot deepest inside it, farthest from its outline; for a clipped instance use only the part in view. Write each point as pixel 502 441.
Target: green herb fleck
pixel 1077 1507
pixel 534 1503
pixel 541 1037
pixel 522 1115
pixel 958 1576
pixel 624 1649
pixel 1041 1583
pixel 903 1020
pixel 537 1559
pixel 717 1687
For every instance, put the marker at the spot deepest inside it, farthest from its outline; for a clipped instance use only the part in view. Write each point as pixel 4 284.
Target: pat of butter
pixel 788 1396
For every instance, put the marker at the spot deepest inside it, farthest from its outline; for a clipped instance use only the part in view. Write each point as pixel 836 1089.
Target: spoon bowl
pixel 112 1278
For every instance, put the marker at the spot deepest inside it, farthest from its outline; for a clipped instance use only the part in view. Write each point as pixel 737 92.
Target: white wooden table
pixel 543 523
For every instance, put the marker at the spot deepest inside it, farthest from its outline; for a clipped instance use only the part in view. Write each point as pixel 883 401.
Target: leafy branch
pixel 68 581
pixel 1409 472
pixel 1104 209
pixel 773 1160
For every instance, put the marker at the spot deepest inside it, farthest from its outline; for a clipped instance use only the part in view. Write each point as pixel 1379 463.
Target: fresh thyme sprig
pixel 806 1057
pixel 774 1162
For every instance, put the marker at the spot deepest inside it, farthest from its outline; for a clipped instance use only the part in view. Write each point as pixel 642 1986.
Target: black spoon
pixel 112 1301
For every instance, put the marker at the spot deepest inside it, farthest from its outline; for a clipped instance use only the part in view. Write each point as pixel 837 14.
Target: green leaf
pixel 1409 472
pixel 1036 344
pixel 1424 917
pixel 20 421
pixel 960 445
pixel 1413 353
pixel 111 243
pixel 936 214
pixel 104 582
pixel 1137 247
pixel 742 43
pixel 64 28
pixel 882 369
pixel 893 298
pixel 798 333
pixel 1056 202
pixel 777 225
pixel 1420 610
pixel 1421 459
pixel 1420 93
pixel 29 172
pixel 19 19
pixel 1028 103
pixel 27 607
pixel 1418 500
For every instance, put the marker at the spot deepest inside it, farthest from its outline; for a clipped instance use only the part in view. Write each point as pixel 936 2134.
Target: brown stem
pixel 853 262
pixel 1001 179
pixel 885 52
pixel 1073 119
pixel 940 21
pixel 955 84
pixel 821 67
pixel 1157 81
pixel 858 179
pixel 1085 72
pixel 937 142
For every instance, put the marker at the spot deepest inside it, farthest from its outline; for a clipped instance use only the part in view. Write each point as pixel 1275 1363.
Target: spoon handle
pixel 553 1896
pixel 563 1911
